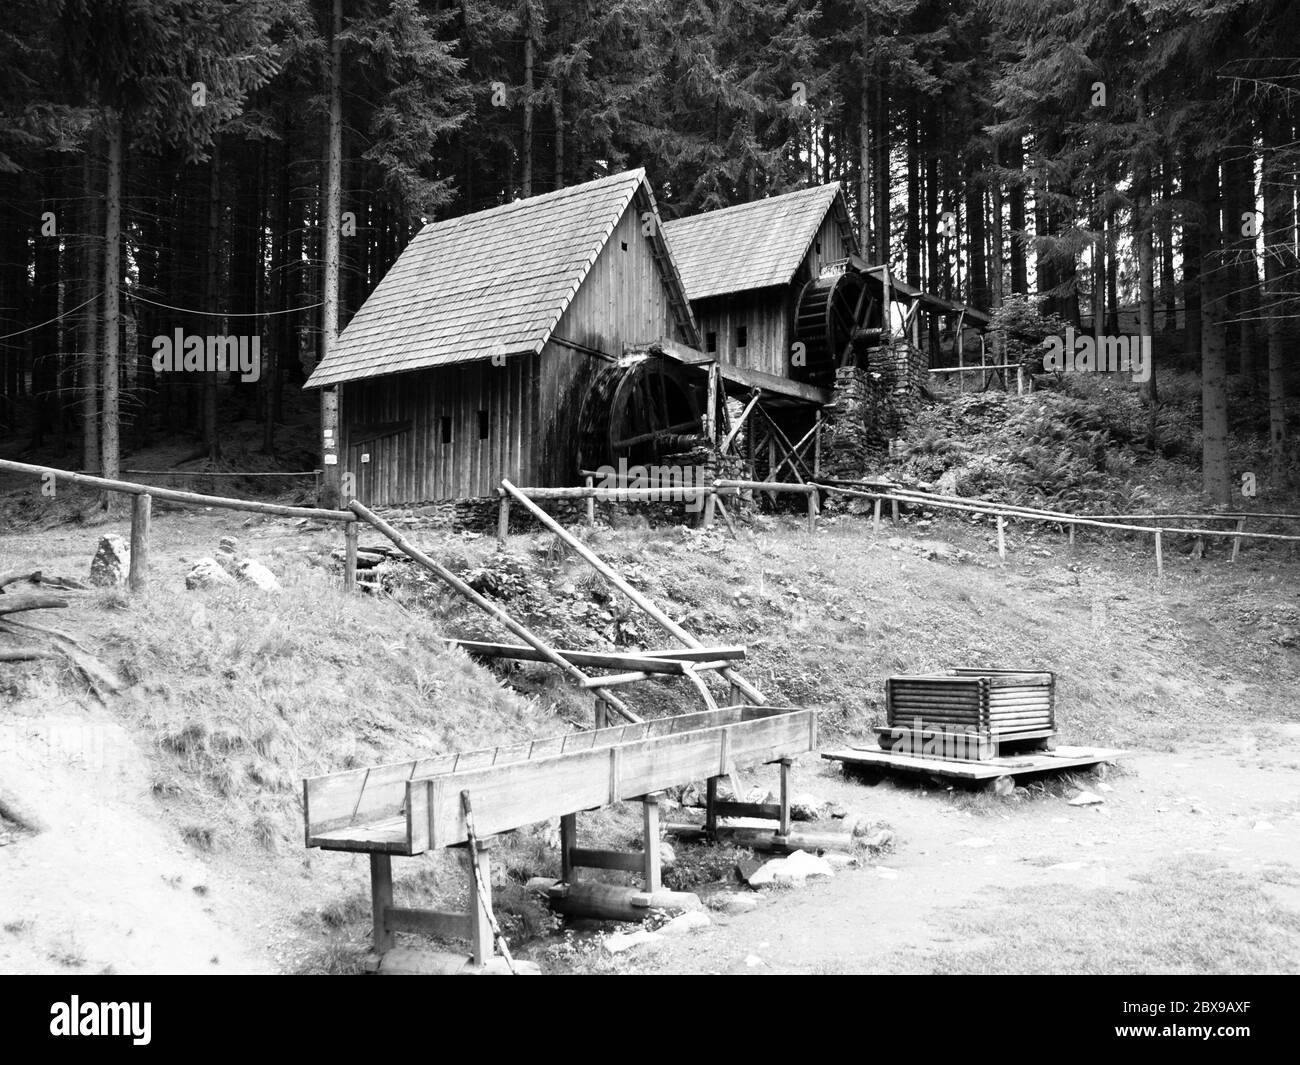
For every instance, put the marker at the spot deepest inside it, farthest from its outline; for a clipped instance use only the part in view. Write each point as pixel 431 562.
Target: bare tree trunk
pixel 88 325
pixel 112 298
pixel 212 301
pixel 527 153
pixel 912 232
pixel 1192 264
pixel 1167 288
pixel 1142 235
pixel 864 170
pixel 1214 376
pixel 1281 271
pixel 1019 261
pixel 332 453
pixel 557 112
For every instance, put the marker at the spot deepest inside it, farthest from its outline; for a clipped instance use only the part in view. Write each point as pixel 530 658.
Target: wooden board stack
pixel 966 714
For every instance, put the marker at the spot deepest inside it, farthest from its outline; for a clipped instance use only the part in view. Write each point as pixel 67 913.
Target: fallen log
pixel 14 604
pixel 612 902
pixel 14 576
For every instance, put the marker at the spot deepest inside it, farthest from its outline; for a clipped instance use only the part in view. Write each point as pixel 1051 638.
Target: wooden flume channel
pixel 409 808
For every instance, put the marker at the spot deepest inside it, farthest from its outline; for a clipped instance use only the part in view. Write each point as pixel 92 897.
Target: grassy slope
pixel 236 695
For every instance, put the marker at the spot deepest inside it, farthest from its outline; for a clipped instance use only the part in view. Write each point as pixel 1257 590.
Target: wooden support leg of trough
pixel 141 506
pixel 1160 554
pixel 350 556
pixel 480 875
pixel 591 503
pixel 812 510
pixel 1236 540
pixel 568 840
pixel 875 516
pixel 893 503
pixel 652 876
pixel 784 830
pixel 503 518
pixel 711 807
pixel 381 898
pixel 1002 537
pixel 1071 536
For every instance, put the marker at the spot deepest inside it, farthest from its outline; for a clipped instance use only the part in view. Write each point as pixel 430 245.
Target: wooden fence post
pixel 1160 555
pixel 141 510
pixel 350 556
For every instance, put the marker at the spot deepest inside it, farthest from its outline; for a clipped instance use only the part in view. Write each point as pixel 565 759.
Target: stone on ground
pixel 112 562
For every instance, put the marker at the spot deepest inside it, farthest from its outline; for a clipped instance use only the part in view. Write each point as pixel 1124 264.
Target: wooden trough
pixel 408 808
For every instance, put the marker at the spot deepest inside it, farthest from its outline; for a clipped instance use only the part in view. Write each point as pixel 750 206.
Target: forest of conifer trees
pixel 165 165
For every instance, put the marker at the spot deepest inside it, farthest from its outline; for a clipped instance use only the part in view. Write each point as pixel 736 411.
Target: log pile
pixel 22 641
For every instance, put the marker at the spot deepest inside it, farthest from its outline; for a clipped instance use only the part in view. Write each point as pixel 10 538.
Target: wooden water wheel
pixel 833 311
pixel 640 409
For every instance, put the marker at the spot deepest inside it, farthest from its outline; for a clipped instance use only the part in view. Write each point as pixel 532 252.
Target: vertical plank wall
pixel 532 402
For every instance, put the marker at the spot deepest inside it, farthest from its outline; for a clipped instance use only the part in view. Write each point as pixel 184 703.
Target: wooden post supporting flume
pixel 591 502
pixel 618 581
pixel 486 605
pixel 653 871
pixel 141 507
pixel 503 518
pixel 381 897
pixel 1160 555
pixel 1002 538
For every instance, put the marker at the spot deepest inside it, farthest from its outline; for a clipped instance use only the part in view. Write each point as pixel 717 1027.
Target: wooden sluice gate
pixel 412 807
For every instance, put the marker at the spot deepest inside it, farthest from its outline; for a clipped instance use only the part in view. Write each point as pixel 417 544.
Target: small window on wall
pixel 482 425
pixel 742 336
pixel 710 341
pixel 446 430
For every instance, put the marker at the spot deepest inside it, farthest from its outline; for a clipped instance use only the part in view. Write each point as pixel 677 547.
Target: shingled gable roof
pixel 485 284
pixel 752 245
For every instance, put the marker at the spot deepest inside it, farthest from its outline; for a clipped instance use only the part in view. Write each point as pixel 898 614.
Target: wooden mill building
pixel 472 358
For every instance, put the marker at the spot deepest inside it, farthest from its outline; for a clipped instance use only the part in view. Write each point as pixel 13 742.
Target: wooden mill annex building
pixel 573 329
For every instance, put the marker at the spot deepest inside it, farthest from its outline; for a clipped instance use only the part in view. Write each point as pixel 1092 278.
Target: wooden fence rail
pixel 141 512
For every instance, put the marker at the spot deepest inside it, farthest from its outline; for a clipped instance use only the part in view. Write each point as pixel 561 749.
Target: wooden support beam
pixel 784 812
pixel 568 844
pixel 624 861
pixel 619 582
pixel 428 922
pixel 590 482
pixel 480 888
pixel 141 508
pixel 503 518
pixel 381 899
pixel 486 605
pixel 740 423
pixel 652 870
pixel 711 807
pixel 668 661
pixel 350 557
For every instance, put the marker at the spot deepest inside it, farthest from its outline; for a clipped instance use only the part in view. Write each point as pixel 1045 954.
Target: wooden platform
pixel 1009 766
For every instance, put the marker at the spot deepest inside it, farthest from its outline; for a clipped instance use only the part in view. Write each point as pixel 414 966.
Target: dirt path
pixel 1236 809
pixel 105 884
